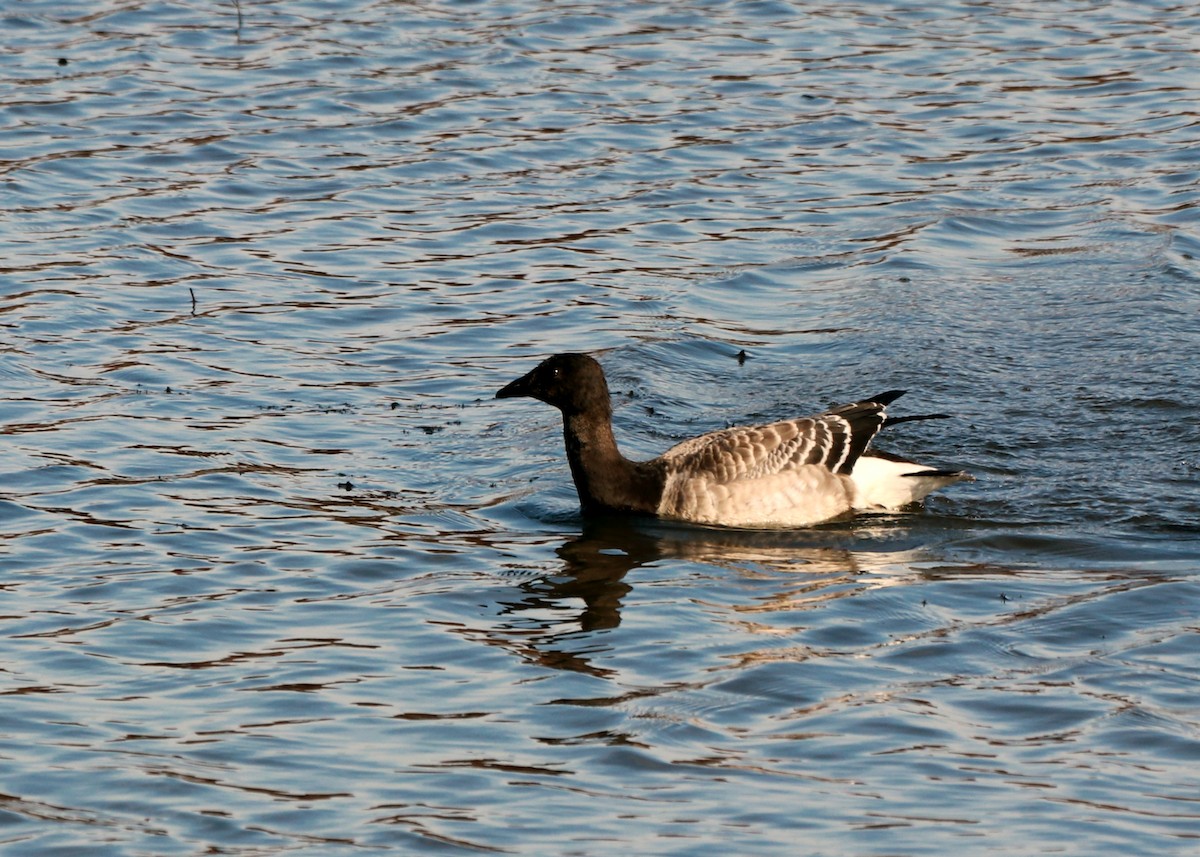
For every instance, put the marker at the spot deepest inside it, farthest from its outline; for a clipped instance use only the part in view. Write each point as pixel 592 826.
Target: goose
pixel 792 473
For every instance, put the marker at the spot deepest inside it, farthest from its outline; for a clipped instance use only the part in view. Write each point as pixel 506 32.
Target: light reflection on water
pixel 279 575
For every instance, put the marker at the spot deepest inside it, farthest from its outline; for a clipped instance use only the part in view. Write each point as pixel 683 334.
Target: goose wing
pixel 833 440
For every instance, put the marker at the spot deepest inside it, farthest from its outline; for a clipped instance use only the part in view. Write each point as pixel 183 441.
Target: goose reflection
pixel 547 623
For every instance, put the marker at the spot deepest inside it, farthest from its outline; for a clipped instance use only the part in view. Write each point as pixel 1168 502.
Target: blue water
pixel 279 576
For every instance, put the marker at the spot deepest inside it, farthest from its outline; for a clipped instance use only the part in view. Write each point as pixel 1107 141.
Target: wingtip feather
pixel 888 397
pixel 891 421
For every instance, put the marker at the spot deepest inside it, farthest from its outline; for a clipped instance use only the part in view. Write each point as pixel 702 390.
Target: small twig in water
pixel 192 292
pixel 237 4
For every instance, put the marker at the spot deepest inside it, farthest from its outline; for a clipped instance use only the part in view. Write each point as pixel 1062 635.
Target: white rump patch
pixel 882 483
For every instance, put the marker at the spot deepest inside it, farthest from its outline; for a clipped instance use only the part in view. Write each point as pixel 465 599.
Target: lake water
pixel 281 577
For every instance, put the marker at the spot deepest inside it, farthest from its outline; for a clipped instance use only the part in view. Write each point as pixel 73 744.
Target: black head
pixel 573 383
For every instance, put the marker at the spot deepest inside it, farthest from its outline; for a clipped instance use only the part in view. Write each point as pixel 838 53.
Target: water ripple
pixel 279 575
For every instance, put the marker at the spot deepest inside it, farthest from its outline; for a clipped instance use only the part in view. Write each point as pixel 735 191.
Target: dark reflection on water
pixel 278 576
pixel 595 565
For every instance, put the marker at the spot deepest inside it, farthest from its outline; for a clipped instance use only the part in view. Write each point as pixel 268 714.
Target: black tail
pixel 943 474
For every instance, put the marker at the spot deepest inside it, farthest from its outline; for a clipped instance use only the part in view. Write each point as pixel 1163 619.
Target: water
pixel 279 576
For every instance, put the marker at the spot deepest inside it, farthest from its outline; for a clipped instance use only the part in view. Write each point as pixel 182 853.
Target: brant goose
pixel 793 473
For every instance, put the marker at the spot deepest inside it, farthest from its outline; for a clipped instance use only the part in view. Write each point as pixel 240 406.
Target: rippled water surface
pixel 281 577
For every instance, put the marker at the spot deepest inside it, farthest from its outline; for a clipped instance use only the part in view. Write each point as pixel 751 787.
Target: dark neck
pixel 605 479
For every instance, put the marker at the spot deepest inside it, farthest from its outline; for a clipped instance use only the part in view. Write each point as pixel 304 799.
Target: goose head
pixel 573 383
